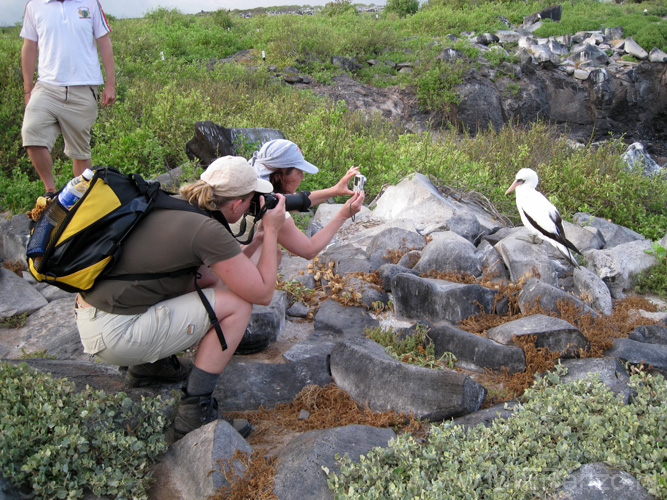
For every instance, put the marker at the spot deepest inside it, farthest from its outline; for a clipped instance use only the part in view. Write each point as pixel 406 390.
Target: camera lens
pixel 296 202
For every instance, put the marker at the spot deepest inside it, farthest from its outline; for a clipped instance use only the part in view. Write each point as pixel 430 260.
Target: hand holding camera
pixel 273 216
pixel 263 202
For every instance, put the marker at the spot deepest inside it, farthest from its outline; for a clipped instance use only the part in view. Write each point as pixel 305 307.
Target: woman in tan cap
pixel 142 324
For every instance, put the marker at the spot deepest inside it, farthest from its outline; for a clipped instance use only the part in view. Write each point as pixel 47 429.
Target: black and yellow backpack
pixel 84 246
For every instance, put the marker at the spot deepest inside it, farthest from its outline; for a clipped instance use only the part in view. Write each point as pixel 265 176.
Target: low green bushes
pixel 56 441
pixel 555 429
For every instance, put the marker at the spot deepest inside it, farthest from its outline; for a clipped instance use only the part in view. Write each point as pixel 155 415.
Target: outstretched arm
pixel 293 240
pixel 339 189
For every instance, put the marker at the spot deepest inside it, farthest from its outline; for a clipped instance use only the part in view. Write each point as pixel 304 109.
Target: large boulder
pixel 450 253
pixel 415 197
pixel 474 352
pixel 548 298
pixel 247 385
pixel 525 259
pixel 372 377
pixel 393 239
pixel 212 141
pixel 612 234
pixel 435 300
pixel 553 333
pixel 299 472
pixel 17 296
pixel 193 464
pixel 620 265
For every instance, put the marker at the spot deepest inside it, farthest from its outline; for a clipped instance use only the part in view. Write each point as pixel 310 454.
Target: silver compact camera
pixel 359 181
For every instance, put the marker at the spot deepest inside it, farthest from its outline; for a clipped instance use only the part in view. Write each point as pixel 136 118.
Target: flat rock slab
pixel 299 473
pixel 553 333
pixel 337 321
pixel 17 296
pixel 245 385
pixel 436 300
pixel 610 371
pixel 640 352
pixel 475 352
pixel 363 369
pixel 51 330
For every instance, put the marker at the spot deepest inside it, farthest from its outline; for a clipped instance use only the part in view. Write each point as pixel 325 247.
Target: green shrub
pixel 57 441
pixel 415 348
pixel 555 429
pixel 654 279
pixel 223 18
pixel 338 8
pixel 159 102
pixel 402 7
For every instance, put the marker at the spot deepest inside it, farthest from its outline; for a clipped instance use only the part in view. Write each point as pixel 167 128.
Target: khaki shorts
pixel 164 329
pixel 53 110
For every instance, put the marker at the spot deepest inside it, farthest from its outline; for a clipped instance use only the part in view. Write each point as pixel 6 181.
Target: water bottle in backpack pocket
pixel 55 213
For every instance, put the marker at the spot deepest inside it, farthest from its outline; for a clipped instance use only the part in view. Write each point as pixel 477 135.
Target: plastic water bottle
pixel 70 194
pixel 75 189
pixel 55 213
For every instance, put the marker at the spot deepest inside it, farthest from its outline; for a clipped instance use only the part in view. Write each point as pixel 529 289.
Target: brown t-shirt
pixel 165 241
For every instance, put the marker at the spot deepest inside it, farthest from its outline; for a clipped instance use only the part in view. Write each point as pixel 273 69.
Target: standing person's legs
pixel 40 129
pixel 40 157
pixel 76 121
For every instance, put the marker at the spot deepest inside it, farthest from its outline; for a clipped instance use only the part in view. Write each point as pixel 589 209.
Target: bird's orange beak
pixel 514 185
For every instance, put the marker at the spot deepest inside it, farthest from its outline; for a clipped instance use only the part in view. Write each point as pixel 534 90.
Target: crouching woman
pixel 142 324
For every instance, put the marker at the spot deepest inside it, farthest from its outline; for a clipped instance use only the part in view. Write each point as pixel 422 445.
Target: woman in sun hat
pixel 281 163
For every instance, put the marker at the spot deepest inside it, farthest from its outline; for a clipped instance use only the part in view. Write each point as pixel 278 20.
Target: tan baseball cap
pixel 232 176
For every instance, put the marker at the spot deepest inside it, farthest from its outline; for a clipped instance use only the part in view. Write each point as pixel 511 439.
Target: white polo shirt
pixel 65 33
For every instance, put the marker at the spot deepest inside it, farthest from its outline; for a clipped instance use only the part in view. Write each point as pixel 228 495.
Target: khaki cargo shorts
pixel 70 111
pixel 164 329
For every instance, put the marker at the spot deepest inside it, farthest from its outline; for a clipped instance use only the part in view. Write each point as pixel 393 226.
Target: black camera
pixel 298 202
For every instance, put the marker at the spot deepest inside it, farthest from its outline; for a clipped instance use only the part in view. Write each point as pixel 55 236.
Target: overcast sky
pixel 11 11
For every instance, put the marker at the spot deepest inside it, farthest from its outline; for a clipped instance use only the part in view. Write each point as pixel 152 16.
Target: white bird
pixel 539 215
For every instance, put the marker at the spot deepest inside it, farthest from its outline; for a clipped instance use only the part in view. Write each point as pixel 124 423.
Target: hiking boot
pixel 252 342
pixel 195 411
pixel 163 371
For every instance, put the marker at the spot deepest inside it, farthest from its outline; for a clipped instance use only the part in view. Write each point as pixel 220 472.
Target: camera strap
pixel 243 224
pixel 213 318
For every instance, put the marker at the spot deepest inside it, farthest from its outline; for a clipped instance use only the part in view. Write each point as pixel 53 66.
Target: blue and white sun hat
pixel 279 153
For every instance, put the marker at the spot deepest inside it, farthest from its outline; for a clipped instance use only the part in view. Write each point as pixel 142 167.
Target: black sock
pixel 201 382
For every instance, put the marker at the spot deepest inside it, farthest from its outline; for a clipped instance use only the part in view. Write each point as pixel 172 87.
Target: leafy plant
pixel 402 7
pixel 41 354
pixel 415 347
pixel 296 292
pixel 58 441
pixel 654 279
pixel 16 321
pixel 555 429
pixel 338 8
